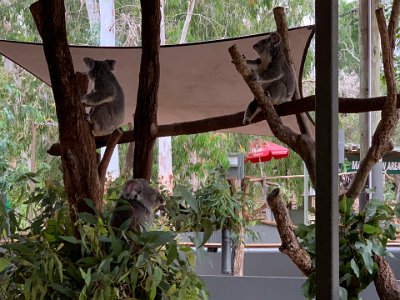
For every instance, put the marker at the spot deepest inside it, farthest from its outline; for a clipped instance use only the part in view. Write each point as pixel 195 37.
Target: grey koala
pixel 107 100
pixel 137 202
pixel 273 72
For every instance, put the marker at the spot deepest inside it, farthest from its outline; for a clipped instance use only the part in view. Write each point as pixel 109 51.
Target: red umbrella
pixel 261 151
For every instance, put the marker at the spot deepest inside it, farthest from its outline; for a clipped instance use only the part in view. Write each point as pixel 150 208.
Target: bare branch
pixel 290 245
pixel 381 141
pixel 302 144
pixel 112 142
pixel 394 19
pixel 282 28
pixel 385 281
pixel 346 105
pixel 188 18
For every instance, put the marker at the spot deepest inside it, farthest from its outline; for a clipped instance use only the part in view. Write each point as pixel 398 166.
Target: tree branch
pixel 145 121
pixel 346 105
pixel 381 141
pixel 290 244
pixel 385 281
pixel 78 151
pixel 302 144
pixel 394 19
pixel 112 142
pixel 188 18
pixel 282 28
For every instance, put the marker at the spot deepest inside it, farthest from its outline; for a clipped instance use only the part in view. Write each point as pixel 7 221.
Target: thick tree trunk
pixel 93 12
pixel 77 145
pixel 145 125
pixel 107 23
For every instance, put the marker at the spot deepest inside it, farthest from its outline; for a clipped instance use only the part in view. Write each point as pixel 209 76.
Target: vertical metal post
pixel 236 169
pixel 327 237
pixel 369 87
pixel 226 252
pixel 306 194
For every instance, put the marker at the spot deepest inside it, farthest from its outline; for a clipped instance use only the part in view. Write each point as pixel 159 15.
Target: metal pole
pixel 327 237
pixel 226 255
pixel 369 87
pixel 306 194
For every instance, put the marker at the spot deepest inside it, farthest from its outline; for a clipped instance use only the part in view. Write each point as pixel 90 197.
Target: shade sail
pixel 197 81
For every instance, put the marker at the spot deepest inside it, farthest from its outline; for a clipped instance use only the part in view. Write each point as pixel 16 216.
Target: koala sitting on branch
pixel 273 72
pixel 137 202
pixel 107 100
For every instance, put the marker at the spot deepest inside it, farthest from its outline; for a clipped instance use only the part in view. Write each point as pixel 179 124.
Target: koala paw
pixel 246 121
pixel 84 101
pixel 253 76
pixel 87 117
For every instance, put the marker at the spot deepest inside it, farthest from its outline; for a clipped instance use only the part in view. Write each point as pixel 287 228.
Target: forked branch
pixel 302 144
pixel 381 141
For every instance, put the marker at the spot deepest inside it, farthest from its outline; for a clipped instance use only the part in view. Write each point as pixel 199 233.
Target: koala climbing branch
pixel 282 28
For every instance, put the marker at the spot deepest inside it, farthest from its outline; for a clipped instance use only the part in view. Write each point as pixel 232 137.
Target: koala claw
pixel 253 76
pixel 246 121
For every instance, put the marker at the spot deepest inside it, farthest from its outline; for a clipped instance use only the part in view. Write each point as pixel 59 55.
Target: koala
pixel 273 72
pixel 137 202
pixel 107 100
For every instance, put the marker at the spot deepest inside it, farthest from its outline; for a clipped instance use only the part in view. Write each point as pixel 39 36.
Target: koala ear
pixel 131 189
pixel 110 63
pixel 275 38
pixel 89 62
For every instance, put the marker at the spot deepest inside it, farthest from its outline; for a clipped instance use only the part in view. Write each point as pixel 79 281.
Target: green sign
pixel 389 165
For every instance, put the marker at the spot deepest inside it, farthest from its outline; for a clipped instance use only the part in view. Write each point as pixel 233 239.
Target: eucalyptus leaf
pixel 343 295
pixel 397 209
pixel 70 239
pixel 188 197
pixel 156 238
pixel 88 218
pixel 115 243
pixel 367 228
pixel 208 231
pixel 366 254
pixel 157 276
pixel 4 263
pixel 355 267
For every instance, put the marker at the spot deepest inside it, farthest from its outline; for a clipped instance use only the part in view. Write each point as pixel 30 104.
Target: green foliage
pixel 56 259
pixel 198 154
pixel 361 236
pixel 348 41
pixel 209 208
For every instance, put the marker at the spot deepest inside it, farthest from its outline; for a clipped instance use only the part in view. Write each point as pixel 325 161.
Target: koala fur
pixel 273 72
pixel 137 202
pixel 107 100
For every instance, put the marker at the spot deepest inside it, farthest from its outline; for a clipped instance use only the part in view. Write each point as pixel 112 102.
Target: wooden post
pixel 78 148
pixel 145 120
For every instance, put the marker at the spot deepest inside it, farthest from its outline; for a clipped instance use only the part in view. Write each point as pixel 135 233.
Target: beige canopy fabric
pixel 197 81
